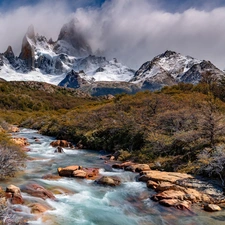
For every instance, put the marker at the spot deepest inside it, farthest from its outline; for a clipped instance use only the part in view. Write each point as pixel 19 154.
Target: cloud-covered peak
pixel 130 30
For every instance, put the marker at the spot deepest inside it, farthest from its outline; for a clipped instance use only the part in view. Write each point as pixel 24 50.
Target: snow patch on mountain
pixel 170 62
pixel 9 74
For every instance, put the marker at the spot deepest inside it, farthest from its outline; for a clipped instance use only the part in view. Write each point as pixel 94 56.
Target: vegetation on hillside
pixel 180 128
pixel 12 156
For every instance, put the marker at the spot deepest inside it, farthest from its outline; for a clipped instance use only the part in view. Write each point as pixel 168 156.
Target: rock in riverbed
pixel 13 193
pixel 20 141
pixel 78 171
pixel 37 190
pixel 180 190
pixel 109 181
pixel 130 166
pixel 62 143
pixel 212 208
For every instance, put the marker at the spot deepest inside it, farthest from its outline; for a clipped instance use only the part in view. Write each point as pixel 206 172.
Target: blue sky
pixel 72 4
pixel 168 5
pixel 133 31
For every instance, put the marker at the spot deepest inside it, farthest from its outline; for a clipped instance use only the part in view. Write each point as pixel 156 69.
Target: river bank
pixel 82 201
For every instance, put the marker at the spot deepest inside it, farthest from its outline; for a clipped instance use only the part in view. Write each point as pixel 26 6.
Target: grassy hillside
pixel 179 128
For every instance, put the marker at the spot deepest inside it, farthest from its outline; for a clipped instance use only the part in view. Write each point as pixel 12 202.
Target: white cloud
pixel 133 31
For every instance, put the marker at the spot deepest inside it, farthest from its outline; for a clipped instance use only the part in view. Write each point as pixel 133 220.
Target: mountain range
pixel 70 62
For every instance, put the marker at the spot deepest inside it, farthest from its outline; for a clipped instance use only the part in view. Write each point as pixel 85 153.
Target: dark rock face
pixel 171 68
pixel 27 51
pixel 73 80
pixel 1 60
pixel 90 61
pixel 9 55
pixel 194 74
pixel 71 41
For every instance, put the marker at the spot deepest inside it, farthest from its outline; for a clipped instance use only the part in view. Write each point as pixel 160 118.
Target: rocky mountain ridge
pixel 171 68
pixel 69 62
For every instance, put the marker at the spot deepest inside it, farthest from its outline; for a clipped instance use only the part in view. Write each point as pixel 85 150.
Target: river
pixel 83 202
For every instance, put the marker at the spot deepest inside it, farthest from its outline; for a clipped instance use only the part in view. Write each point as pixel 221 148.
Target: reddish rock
pixel 182 205
pixel 79 174
pixel 164 186
pixel 168 202
pixel 91 173
pixel 14 194
pixel 14 129
pixel 138 168
pixel 37 208
pixel 37 190
pixel 183 194
pixel 68 171
pixel 62 143
pixel 20 141
pixel 157 176
pixel 122 165
pixel 152 184
pixel 78 171
pixel 211 208
pixel 109 181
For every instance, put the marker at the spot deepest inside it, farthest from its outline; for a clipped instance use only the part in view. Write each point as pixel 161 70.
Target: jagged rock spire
pixel 27 50
pixel 73 80
pixel 71 41
pixel 9 54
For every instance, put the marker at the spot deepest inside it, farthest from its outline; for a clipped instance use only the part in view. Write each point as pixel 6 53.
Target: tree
pixel 11 160
pixel 212 123
pixel 210 79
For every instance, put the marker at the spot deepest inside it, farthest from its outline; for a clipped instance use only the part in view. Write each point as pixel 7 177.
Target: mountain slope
pixel 49 61
pixel 171 68
pixel 71 41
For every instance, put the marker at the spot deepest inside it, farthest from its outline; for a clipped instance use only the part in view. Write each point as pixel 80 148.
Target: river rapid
pixel 82 202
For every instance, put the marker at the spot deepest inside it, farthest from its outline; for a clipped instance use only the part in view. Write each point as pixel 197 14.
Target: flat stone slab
pixel 156 175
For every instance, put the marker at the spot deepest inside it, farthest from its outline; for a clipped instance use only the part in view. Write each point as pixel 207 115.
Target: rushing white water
pixel 83 202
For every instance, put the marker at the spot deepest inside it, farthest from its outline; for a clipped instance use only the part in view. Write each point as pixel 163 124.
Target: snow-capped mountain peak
pixel 52 61
pixel 171 68
pixel 71 41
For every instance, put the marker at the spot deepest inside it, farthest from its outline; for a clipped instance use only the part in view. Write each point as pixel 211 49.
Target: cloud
pixel 130 30
pixel 136 31
pixel 47 20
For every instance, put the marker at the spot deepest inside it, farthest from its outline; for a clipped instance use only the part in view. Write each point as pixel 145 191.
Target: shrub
pixel 12 157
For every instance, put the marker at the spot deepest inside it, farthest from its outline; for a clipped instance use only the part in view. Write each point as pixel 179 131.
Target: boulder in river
pixel 109 181
pixel 138 167
pixel 68 171
pixel 79 172
pixel 13 193
pixel 37 208
pixel 155 175
pixel 62 143
pixel 175 203
pixel 37 190
pixel 14 129
pixel 212 208
pixel 59 150
pixel 130 166
pixel 20 141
